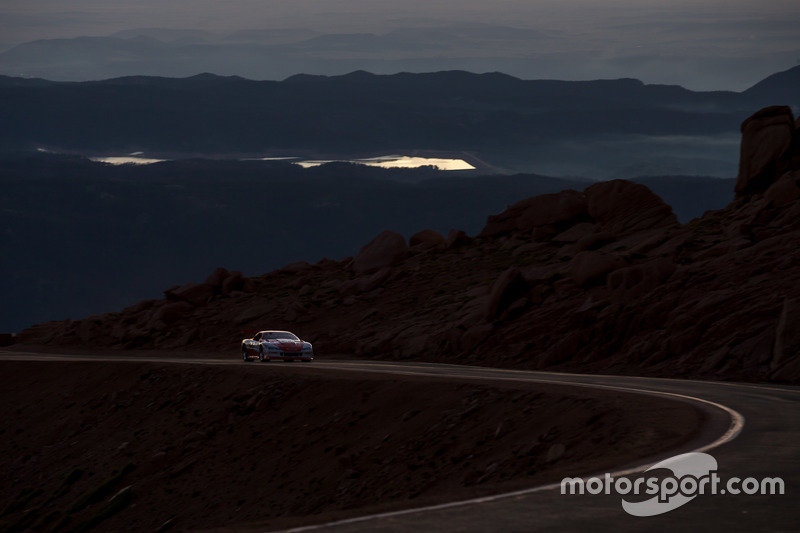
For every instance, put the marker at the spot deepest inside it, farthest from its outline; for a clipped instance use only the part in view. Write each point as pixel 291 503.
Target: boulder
pixel 374 281
pixel 234 282
pixel 366 283
pixel 456 238
pixel 552 209
pixel 295 268
pixel 173 312
pixel 195 293
pixel 765 153
pixel 385 250
pixel 622 207
pixel 592 267
pixel 217 277
pixel 508 287
pixel 137 308
pixel 426 239
pixel 500 224
pixel 474 336
pixel 542 210
pixel 784 191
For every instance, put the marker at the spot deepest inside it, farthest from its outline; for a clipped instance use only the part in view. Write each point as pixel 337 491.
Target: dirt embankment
pixel 153 446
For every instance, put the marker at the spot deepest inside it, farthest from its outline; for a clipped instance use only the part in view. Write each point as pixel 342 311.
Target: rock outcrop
pixel 456 238
pixel 426 239
pixel 768 140
pixel 618 207
pixel 194 293
pixel 547 210
pixel 592 267
pixel 508 288
pixel 621 207
pixel 385 250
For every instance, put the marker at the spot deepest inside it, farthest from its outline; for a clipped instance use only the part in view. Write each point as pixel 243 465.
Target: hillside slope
pixel 600 280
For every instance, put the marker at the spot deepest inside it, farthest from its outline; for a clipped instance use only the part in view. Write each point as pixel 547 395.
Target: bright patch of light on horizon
pixel 126 160
pixel 394 161
pixel 391 161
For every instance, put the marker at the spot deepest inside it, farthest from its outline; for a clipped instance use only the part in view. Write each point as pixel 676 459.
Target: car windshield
pixel 279 335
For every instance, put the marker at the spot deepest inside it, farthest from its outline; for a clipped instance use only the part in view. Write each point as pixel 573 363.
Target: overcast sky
pixel 25 20
pixel 629 33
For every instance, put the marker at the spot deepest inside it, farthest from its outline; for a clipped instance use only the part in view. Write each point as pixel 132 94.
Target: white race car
pixel 281 345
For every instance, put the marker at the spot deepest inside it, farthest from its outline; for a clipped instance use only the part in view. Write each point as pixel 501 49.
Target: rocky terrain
pixel 603 279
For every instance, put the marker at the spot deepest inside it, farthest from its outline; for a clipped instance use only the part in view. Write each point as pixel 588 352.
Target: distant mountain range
pixel 420 45
pixel 279 53
pixel 597 129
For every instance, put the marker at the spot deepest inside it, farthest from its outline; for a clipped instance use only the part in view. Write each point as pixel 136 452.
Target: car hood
pixel 286 345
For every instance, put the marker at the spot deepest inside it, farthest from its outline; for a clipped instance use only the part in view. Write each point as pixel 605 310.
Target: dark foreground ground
pixel 154 446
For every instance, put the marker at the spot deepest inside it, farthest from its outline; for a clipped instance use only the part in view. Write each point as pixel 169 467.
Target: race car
pixel 280 345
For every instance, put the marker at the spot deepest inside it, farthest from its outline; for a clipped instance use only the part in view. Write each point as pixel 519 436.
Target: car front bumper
pixel 288 356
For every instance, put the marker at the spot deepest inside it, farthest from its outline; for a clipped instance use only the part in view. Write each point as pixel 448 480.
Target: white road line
pixel 735 427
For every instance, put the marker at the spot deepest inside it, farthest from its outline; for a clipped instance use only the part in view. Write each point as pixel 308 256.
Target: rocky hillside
pixel 603 279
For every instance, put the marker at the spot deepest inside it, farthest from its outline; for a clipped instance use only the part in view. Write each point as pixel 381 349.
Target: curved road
pixel 751 430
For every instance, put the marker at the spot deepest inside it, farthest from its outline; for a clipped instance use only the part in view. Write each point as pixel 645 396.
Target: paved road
pixel 751 430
